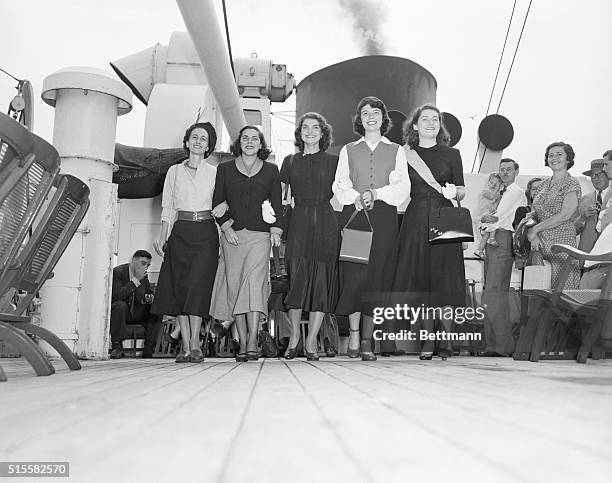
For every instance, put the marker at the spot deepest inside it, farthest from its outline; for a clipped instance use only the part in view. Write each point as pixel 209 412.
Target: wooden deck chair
pixel 34 266
pixel 23 200
pixel 16 153
pixel 592 309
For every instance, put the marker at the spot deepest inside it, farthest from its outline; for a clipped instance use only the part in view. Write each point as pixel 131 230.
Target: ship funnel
pixel 142 70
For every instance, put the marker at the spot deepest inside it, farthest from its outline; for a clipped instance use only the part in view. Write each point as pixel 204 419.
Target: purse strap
pixel 417 163
pixel 355 214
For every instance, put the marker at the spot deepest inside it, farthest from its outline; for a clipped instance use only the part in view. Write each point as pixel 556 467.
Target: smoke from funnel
pixel 368 18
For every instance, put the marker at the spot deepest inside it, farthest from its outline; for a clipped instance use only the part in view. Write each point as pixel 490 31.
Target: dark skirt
pixel 187 273
pixel 433 275
pixel 363 287
pixel 312 258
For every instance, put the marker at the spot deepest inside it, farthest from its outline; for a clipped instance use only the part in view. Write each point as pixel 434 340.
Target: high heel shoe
pixel 242 357
pixel 367 354
pixel 311 356
pixel 445 353
pixel 293 352
pixel 425 356
pixel 252 356
pixel 353 353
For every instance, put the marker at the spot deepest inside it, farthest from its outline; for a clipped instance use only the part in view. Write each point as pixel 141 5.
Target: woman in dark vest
pixel 372 175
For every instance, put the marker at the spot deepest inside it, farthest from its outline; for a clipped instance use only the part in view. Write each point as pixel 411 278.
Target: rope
pixel 495 81
pixel 227 35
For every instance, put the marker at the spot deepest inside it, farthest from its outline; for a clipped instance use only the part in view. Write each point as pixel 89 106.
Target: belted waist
pixel 194 215
pixel 311 203
pixel 593 267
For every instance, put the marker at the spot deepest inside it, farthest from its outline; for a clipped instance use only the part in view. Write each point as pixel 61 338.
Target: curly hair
pixel 326 131
pixel 212 136
pixel 375 103
pixel 263 152
pixel 411 135
pixel 569 152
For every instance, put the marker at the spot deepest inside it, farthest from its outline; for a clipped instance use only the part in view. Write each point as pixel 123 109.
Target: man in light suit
pixel 594 274
pixel 591 205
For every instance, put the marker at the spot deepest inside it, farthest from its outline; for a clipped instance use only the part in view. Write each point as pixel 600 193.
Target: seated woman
pixel 555 207
pixel 242 285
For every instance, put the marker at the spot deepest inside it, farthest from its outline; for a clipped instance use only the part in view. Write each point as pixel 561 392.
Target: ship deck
pixel 465 419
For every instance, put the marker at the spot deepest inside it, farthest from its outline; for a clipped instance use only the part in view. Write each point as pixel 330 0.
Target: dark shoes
pixel 241 357
pixel 329 350
pixel 116 352
pixel 196 356
pixel 252 355
pixel 168 338
pixel 367 354
pixel 182 357
pixel 311 356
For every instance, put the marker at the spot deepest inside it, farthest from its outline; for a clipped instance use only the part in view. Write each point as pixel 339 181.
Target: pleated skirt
pixel 242 282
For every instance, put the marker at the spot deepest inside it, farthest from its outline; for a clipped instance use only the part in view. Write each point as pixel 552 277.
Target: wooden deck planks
pixel 463 419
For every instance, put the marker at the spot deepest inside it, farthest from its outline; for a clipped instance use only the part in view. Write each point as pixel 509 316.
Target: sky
pixel 560 87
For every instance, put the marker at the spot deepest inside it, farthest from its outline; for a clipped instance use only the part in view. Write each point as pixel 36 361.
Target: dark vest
pixel 371 169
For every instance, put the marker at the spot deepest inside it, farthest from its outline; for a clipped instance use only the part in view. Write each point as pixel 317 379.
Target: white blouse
pixel 184 192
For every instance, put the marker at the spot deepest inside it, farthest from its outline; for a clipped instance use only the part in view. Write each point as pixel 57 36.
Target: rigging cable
pixel 227 35
pixel 495 80
pixel 511 65
pixel 514 56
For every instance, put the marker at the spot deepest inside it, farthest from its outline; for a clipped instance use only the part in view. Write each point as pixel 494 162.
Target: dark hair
pixel 509 160
pixel 607 154
pixel 569 153
pixel 263 152
pixel 376 103
pixel 212 136
pixel 326 131
pixel 142 254
pixel 528 189
pixel 411 135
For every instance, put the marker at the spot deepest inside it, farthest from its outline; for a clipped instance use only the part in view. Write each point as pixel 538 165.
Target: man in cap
pixel 594 274
pixel 591 205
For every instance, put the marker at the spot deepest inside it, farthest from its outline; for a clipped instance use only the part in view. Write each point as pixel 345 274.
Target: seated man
pixel 131 304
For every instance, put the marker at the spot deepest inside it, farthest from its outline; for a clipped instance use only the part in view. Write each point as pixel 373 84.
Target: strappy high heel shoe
pixel 353 353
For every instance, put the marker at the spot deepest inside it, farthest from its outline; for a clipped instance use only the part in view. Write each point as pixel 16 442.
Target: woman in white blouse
pixel 191 251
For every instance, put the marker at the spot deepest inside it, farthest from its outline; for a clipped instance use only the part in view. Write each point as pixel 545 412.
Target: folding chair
pixel 34 266
pixel 16 155
pixel 591 308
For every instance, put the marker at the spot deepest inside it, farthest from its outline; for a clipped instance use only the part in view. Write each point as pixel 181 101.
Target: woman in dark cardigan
pixel 242 283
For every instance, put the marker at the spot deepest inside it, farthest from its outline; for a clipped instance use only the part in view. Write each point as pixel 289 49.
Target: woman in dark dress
pixel 432 275
pixel 312 238
pixel 372 174
pixel 190 258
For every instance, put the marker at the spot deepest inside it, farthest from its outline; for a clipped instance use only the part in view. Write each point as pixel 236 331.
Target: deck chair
pixel 34 266
pixel 22 200
pixel 16 153
pixel 591 309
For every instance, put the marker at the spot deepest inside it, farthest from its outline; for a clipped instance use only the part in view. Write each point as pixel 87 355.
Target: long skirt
pixel 242 283
pixel 363 287
pixel 188 271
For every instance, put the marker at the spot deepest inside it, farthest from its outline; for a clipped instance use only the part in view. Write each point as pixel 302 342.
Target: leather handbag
pixel 279 279
pixel 356 244
pixel 268 346
pixel 446 225
pixel 450 225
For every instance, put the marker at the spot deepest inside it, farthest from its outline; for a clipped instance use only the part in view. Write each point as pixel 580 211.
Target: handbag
pixel 279 279
pixel 537 277
pixel 268 346
pixel 448 224
pixel 356 244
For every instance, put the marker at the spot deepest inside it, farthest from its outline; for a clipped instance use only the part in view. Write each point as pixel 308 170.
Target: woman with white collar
pixel 372 175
